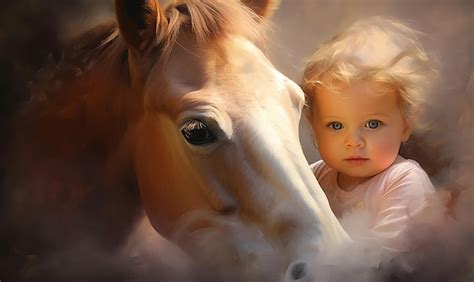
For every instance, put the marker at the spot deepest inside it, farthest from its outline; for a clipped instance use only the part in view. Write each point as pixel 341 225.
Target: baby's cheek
pixel 387 151
pixel 330 151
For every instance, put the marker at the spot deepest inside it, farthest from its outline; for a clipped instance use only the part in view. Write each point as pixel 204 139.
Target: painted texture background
pixel 32 33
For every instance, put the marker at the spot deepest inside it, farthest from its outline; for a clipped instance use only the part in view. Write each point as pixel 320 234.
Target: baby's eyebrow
pixel 331 120
pixel 329 116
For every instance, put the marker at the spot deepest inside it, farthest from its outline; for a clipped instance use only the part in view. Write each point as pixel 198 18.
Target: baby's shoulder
pixel 320 169
pixel 406 173
pixel 403 168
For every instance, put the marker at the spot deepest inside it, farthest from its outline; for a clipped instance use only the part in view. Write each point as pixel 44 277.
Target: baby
pixel 365 88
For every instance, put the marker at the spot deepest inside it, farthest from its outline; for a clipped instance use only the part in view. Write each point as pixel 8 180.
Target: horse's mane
pixel 103 47
pixel 92 75
pixel 212 20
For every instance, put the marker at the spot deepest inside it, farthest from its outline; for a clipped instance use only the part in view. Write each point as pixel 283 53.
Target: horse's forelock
pixel 209 21
pixel 212 20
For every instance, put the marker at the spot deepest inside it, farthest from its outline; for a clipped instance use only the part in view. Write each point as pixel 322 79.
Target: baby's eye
pixel 335 125
pixel 373 124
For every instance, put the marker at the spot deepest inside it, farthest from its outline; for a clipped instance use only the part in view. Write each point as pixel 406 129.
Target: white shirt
pixel 381 206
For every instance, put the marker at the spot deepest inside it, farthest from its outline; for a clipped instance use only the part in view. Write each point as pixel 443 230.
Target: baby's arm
pixel 406 195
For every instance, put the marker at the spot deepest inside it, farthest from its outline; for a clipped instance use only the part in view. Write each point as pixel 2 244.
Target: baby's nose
pixel 355 139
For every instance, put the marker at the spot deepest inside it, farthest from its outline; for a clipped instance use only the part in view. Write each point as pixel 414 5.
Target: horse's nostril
pixel 228 209
pixel 297 271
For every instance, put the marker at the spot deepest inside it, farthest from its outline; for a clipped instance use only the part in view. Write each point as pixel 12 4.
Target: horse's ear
pixel 263 8
pixel 137 20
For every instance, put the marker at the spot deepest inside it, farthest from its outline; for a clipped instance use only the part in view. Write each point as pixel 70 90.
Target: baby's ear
pixel 408 127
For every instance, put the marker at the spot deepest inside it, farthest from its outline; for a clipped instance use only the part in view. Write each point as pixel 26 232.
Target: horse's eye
pixel 197 133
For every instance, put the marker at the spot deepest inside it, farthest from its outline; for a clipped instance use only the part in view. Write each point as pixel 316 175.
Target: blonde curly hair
pixel 377 49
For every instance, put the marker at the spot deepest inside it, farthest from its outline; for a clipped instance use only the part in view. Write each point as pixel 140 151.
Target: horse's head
pixel 217 156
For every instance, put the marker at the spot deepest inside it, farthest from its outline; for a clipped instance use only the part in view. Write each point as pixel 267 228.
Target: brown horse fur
pixel 68 178
pixel 67 138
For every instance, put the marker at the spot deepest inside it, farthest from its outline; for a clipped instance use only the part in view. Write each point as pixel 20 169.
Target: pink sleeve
pixel 403 197
pixel 318 169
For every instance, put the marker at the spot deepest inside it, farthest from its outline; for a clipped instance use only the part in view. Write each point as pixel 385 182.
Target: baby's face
pixel 359 130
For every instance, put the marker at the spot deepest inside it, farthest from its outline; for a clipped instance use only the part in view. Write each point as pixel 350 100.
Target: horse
pixel 172 115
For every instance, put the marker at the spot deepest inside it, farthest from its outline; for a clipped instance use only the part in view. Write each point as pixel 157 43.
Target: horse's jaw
pixel 228 247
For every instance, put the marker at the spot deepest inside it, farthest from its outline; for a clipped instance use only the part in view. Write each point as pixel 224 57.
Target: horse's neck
pixel 70 163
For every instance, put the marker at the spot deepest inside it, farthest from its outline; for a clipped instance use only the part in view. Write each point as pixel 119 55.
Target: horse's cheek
pixel 165 195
